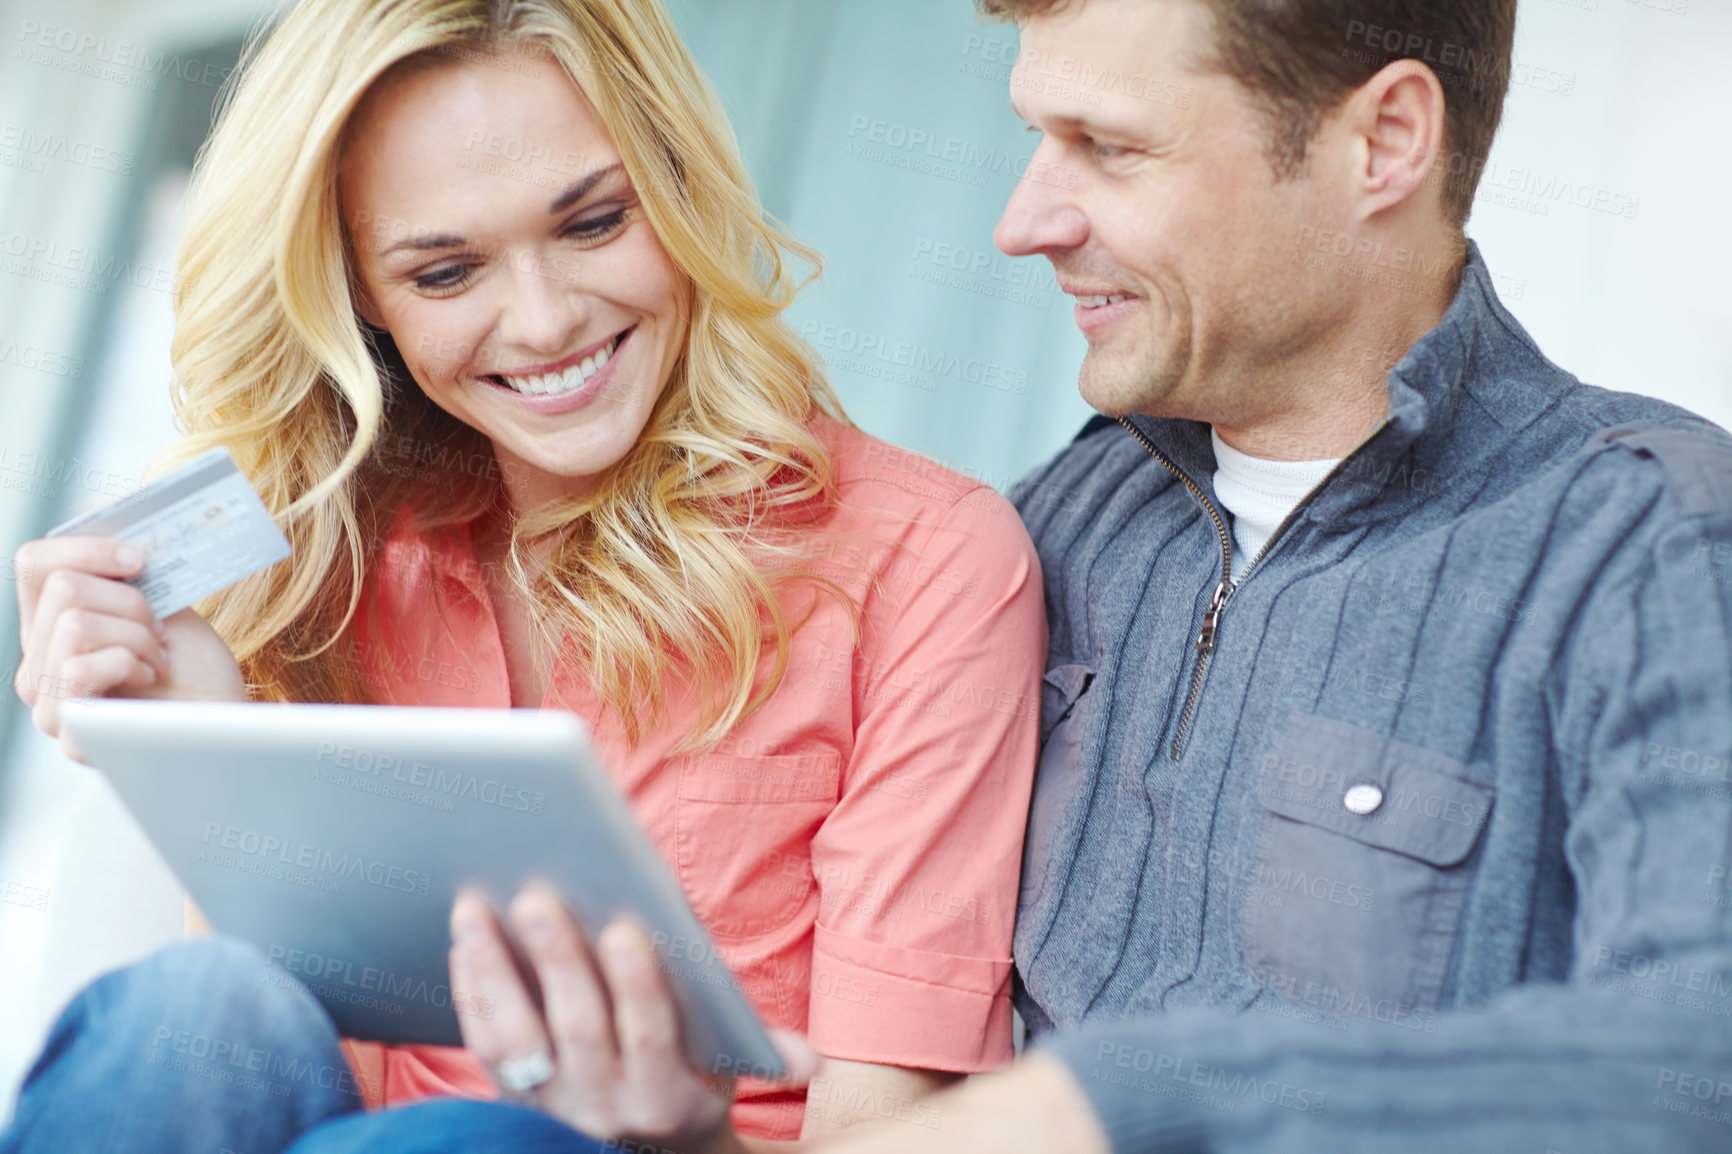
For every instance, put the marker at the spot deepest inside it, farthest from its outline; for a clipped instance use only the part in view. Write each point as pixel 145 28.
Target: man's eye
pixel 1107 151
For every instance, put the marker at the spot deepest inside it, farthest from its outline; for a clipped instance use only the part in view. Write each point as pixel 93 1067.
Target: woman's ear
pixel 359 298
pixel 363 304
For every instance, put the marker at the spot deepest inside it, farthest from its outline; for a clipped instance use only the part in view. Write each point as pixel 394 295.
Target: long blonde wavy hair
pixel 669 572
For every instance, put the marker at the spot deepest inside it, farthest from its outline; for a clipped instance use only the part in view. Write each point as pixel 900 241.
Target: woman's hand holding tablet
pixel 594 1038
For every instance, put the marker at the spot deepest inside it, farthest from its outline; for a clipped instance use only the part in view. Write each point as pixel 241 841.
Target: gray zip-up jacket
pixel 1422 839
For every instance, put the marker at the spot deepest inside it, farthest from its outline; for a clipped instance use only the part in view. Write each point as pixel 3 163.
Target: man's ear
pixel 1395 127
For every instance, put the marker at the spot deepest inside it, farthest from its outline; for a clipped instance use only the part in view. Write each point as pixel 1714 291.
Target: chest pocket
pixel 1354 897
pixel 744 836
pixel 1064 703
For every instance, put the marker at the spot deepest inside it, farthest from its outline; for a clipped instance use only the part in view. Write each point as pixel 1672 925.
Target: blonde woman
pixel 480 297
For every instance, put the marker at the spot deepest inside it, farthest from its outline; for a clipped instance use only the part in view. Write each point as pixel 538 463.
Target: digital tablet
pixel 334 838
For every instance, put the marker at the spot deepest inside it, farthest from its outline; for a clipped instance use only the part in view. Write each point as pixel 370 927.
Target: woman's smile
pixel 565 385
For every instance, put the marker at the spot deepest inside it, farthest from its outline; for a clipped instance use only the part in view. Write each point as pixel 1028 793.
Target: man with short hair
pixel 1384 799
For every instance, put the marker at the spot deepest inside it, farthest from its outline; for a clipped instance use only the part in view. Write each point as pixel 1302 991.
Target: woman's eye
pixel 446 279
pixel 597 228
pixel 591 231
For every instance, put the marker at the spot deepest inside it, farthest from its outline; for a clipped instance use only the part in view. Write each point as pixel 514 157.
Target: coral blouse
pixel 853 845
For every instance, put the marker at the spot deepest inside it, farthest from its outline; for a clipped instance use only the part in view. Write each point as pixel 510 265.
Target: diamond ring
pixel 519 1076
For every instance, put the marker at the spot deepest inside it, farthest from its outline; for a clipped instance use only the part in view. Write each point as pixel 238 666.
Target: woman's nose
pixel 544 310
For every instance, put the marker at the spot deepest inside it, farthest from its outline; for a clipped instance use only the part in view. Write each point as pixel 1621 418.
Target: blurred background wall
pixel 1623 278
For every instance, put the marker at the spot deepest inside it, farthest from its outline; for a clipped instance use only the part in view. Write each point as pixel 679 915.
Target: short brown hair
pixel 1299 58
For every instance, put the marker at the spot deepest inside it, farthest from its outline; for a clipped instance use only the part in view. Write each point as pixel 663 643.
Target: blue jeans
pixel 204 1048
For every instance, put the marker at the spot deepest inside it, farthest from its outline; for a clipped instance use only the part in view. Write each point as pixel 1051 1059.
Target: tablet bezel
pixel 417 783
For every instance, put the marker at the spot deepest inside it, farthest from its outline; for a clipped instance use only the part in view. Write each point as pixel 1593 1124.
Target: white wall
pixel 1644 303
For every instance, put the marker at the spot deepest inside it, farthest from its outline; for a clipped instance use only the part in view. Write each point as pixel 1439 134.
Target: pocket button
pixel 1363 799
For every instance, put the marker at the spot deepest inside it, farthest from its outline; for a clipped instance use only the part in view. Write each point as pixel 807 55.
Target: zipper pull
pixel 1212 619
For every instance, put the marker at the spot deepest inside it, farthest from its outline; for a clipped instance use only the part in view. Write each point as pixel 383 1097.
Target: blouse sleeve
pixel 917 865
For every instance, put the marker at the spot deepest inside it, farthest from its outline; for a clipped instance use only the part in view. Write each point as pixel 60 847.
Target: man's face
pixel 1153 195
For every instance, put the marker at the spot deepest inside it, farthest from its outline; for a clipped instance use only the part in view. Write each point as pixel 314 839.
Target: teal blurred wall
pixel 881 133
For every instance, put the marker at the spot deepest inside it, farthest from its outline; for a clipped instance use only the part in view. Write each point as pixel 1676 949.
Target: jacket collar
pixel 1466 360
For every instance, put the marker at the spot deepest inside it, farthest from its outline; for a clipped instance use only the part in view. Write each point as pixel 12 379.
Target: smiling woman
pixel 479 296
pixel 496 282
pixel 486 277
pixel 550 326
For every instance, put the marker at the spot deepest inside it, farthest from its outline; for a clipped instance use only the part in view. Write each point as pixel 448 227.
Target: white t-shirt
pixel 1258 494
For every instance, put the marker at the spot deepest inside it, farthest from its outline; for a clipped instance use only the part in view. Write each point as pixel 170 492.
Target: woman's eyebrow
pixel 573 193
pixel 582 188
pixel 433 241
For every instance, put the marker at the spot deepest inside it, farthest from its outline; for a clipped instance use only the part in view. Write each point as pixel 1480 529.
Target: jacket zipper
pixel 1205 643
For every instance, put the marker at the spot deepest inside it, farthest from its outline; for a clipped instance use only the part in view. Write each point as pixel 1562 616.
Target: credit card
pixel 201 527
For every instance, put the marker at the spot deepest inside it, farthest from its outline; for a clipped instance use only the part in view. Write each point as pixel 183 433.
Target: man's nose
pixel 1042 216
